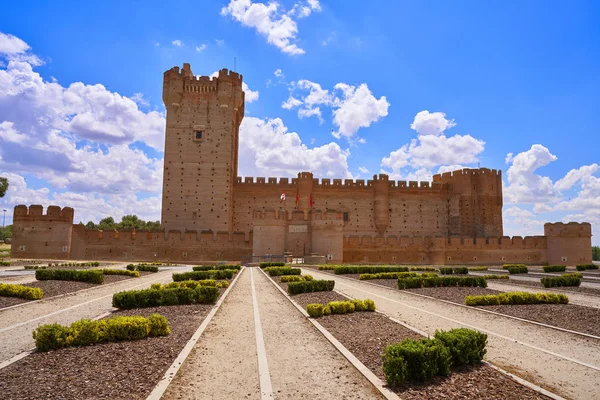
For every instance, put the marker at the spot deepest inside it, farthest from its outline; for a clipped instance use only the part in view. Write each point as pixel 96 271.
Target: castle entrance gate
pixel 298 240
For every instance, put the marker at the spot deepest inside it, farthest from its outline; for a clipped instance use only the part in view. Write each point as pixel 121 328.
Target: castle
pixel 209 213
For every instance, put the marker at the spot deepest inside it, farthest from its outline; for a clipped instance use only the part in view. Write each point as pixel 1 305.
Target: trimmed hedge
pixel 310 286
pixel 24 292
pixel 495 276
pixel 340 307
pixel 295 278
pixel 507 266
pixel 191 284
pixel 87 332
pixel 584 267
pixel 516 298
pixel 419 360
pixel 386 275
pixel 35 267
pixel 564 280
pixel 456 271
pixel 5 263
pixel 429 269
pixel 363 269
pixel 165 297
pixel 326 267
pixel 573 275
pixel 278 271
pixel 442 281
pixel 126 272
pixel 142 267
pixel 521 269
pixel 272 264
pixel 216 267
pixel 478 268
pixel 90 276
pixel 555 268
pixel 203 275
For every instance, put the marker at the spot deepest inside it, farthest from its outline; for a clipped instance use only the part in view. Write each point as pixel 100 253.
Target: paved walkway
pixel 295 360
pixel 544 356
pixel 16 324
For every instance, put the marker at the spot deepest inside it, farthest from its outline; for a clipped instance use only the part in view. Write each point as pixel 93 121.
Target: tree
pixel 107 223
pixel 7 233
pixel 91 225
pixel 131 221
pixel 596 253
pixel 3 186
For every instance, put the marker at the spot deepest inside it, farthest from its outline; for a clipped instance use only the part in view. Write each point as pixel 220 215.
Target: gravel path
pixel 301 362
pixel 16 324
pixel 516 346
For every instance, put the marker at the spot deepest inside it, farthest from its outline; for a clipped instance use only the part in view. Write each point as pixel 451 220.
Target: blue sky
pixel 405 88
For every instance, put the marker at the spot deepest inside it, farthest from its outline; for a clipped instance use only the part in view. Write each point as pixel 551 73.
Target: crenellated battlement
pixel 460 173
pixel 571 229
pixel 35 213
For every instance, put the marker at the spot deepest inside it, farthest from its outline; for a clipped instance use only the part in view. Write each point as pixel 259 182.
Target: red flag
pixel 297 199
pixel 310 200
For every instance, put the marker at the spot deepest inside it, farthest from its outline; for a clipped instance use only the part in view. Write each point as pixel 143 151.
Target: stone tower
pixel 201 149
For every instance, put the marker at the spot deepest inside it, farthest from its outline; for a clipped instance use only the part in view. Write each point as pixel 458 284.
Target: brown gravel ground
pixel 567 316
pixel 124 370
pixel 367 334
pixel 54 288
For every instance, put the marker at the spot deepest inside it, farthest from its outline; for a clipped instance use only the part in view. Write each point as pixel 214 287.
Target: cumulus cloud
pixel 14 48
pixel 267 148
pixel 291 103
pixel 201 48
pixel 426 123
pixel 249 95
pixel 524 184
pixel 177 43
pixel 583 173
pixel 363 170
pixel 271 21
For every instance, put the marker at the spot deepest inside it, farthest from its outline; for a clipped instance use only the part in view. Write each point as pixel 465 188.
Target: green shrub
pixel 310 286
pixel 126 272
pixel 555 268
pixel 24 292
pixel 416 360
pixel 341 307
pixel 507 266
pixel 223 284
pixel 466 346
pixel 478 268
pixel 291 278
pixel 564 280
pixel 573 275
pixel 165 297
pixel 359 305
pixel 272 264
pixel 516 298
pixel 429 275
pixel 308 277
pixel 429 269
pixel 189 284
pixel 521 269
pixel 315 310
pixel 446 271
pixel 369 304
pixel 87 332
pixel 326 267
pixel 90 276
pixel 495 276
pixel 5 263
pixel 326 310
pixel 216 267
pixel 456 271
pixel 386 275
pixel 362 269
pixel 143 267
pixel 278 271
pixel 203 275
pixel 443 281
pixel 584 267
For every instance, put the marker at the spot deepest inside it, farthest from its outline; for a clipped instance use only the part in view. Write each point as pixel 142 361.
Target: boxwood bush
pixel 495 276
pixel 165 297
pixel 429 269
pixel 564 280
pixel 5 263
pixel 386 275
pixel 555 268
pixel 203 275
pixel 24 292
pixel 272 264
pixel 87 332
pixel 507 266
pixel 478 268
pixel 340 307
pixel 442 281
pixel 516 298
pixel 573 275
pixel 584 267
pixel 467 346
pixel 126 272
pixel 142 267
pixel 366 269
pixel 456 271
pixel 310 286
pixel 521 269
pixel 295 278
pixel 278 271
pixel 415 360
pixel 216 267
pixel 314 310
pixel 90 276
pixel 326 267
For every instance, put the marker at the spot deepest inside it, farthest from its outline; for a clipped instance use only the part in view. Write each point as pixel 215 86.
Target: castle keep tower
pixel 201 149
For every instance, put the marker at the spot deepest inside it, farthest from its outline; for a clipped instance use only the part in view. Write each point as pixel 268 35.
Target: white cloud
pixel 202 47
pixel 363 170
pixel 583 173
pixel 291 103
pixel 8 133
pixel 268 149
pixel 524 185
pixel 140 100
pixel 250 95
pixel 357 109
pixel 279 74
pixel 177 43
pixel 279 28
pixel 426 123
pixel 310 112
pixel 10 44
pixel 220 42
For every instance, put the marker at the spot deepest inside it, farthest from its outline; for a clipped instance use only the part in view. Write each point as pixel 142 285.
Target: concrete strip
pixel 549 368
pixel 266 389
pixel 367 373
pixel 161 387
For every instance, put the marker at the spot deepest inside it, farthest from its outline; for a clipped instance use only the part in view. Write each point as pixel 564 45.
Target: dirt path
pixel 16 324
pixel 544 356
pixel 300 362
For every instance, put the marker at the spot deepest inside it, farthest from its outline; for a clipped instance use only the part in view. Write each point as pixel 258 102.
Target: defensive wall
pixel 54 236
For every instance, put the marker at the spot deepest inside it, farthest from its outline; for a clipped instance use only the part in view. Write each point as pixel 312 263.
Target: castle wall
pixel 569 244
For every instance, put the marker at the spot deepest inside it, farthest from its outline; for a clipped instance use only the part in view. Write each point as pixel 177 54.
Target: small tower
pixel 201 149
